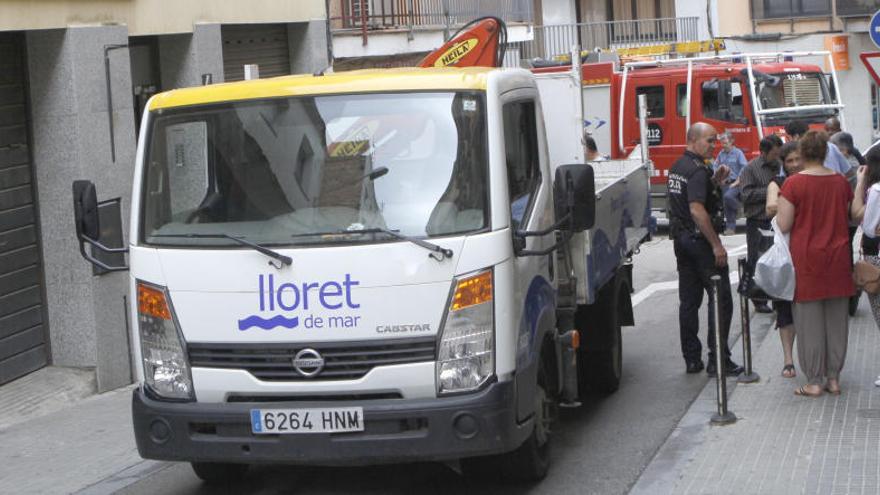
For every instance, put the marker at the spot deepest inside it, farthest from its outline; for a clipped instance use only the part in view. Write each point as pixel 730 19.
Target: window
pixel 521 152
pixel 857 8
pixel 656 101
pixel 723 100
pixel 785 9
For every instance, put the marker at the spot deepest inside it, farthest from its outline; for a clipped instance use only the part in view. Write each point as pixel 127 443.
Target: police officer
pixel 696 216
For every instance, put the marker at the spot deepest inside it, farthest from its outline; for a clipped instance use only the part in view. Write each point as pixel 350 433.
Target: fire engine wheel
pixel 600 362
pixel 217 473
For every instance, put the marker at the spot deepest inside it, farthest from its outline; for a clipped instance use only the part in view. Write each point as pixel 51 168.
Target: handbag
pixel 774 271
pixel 867 277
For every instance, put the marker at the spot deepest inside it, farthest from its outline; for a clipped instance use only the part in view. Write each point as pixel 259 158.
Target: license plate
pixel 329 420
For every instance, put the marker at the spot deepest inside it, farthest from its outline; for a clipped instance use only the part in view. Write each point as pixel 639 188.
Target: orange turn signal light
pixel 472 291
pixel 151 302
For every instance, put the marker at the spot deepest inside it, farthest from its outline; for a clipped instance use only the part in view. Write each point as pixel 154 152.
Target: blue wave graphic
pixel 275 321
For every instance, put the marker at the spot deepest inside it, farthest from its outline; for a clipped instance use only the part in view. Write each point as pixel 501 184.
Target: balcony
pixel 363 28
pixel 549 41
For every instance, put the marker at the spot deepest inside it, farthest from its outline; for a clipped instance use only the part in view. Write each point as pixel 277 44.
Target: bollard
pixel 748 376
pixel 723 416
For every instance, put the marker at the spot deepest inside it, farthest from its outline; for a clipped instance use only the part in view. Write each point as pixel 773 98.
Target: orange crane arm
pixel 479 43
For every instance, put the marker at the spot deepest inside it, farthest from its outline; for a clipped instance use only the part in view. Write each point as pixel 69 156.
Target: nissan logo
pixel 308 362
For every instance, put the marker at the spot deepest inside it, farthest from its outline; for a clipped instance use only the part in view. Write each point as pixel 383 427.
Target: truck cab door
pixel 723 103
pixel 529 194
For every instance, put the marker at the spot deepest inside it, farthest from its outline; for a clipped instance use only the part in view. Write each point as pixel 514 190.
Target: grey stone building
pixel 74 79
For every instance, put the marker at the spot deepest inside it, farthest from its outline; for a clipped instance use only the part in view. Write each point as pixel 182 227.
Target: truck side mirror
pixel 86 215
pixel 85 209
pixel 575 195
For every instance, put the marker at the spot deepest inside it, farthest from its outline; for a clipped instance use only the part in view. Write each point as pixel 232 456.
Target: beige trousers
pixel 822 328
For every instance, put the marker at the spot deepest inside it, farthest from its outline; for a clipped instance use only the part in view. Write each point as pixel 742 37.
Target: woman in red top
pixel 814 207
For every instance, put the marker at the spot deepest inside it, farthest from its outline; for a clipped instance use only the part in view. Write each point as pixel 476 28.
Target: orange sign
pixel 838 45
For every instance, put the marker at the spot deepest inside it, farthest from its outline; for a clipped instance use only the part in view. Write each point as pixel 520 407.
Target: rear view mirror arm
pixel 95 261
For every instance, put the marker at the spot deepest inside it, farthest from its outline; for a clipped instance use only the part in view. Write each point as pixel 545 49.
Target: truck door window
pixel 521 152
pixel 723 100
pixel 656 101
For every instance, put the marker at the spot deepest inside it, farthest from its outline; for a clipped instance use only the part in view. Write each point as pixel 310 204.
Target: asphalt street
pixel 601 447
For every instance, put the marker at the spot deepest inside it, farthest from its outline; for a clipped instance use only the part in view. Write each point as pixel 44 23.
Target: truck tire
pixel 218 473
pixel 531 460
pixel 600 361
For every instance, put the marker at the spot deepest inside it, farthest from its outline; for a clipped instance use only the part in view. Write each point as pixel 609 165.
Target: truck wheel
pixel 600 363
pixel 531 460
pixel 217 473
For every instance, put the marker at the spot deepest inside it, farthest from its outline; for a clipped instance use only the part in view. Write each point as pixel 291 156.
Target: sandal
pixel 833 390
pixel 802 391
pixel 788 371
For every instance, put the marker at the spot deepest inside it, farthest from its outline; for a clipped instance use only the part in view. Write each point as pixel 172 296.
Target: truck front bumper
pixel 395 430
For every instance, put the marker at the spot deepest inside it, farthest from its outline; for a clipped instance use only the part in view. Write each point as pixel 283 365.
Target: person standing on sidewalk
pixel 814 207
pixel 866 208
pixel 695 219
pixel 735 160
pixel 754 181
pixel 791 163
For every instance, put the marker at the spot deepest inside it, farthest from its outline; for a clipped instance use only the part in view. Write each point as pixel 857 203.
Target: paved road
pixel 601 447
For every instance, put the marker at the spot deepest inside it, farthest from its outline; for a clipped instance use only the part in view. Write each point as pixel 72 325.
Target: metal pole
pixel 723 416
pixel 749 376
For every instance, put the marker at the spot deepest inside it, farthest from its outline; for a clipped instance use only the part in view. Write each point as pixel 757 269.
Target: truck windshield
pixel 307 170
pixel 795 89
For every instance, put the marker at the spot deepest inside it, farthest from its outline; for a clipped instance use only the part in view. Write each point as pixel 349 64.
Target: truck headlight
pixel 466 359
pixel 166 371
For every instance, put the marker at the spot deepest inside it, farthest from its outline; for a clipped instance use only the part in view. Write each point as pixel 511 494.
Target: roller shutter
pixel 23 346
pixel 261 44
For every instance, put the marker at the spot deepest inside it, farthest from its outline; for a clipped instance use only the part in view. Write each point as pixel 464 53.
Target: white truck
pixel 371 267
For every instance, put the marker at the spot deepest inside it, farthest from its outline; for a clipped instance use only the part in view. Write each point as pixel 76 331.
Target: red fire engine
pixel 749 95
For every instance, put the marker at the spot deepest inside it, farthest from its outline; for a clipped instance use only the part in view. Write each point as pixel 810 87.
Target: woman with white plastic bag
pixel 791 164
pixel 814 207
pixel 774 271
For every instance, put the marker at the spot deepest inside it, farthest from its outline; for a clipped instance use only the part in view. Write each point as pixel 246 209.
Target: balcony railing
pixel 556 40
pixel 368 15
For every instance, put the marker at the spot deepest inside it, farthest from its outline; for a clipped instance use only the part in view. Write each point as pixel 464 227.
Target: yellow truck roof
pixel 359 81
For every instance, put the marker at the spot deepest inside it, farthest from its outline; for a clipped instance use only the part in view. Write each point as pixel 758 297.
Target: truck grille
pixel 800 92
pixel 342 360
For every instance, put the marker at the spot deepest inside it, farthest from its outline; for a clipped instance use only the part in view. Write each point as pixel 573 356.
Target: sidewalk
pixel 781 443
pixel 72 449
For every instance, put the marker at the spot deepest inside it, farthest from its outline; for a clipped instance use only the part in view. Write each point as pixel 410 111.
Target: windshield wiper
pixel 285 260
pixel 437 252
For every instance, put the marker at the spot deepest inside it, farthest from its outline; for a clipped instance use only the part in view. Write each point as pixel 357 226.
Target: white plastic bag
pixel 774 271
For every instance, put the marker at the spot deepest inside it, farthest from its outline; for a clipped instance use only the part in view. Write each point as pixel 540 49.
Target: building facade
pixel 74 79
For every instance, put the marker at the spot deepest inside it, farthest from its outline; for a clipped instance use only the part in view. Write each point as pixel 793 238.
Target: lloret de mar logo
pixel 294 304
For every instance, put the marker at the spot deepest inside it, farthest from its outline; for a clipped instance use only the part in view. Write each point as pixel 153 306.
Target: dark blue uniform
pixel 690 181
